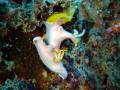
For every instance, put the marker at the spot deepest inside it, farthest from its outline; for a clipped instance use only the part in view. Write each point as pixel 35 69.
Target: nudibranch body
pixel 47 56
pixel 55 34
pixel 50 54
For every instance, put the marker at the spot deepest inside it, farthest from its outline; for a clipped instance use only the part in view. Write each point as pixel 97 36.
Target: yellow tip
pixel 65 16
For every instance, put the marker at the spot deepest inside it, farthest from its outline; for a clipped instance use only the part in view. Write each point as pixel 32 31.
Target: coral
pixel 16 84
pixel 115 26
pixel 103 53
pixel 9 64
pixel 4 7
pixel 98 12
pixel 52 1
pixel 25 63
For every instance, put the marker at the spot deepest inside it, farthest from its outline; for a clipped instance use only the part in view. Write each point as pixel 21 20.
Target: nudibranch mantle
pixel 47 56
pixel 55 34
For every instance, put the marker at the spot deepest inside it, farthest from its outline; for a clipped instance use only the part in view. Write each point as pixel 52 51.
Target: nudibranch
pixel 50 52
pixel 55 34
pixel 47 56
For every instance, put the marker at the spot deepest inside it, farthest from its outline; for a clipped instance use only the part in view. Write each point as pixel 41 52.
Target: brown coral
pixel 28 66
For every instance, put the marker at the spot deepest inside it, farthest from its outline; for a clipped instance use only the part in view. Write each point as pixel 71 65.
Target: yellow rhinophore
pixel 66 16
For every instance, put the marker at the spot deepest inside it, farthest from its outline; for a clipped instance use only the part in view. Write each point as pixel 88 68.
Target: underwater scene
pixel 59 44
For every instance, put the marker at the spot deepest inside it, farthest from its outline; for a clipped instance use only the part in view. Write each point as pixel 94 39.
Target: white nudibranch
pixel 51 55
pixel 47 56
